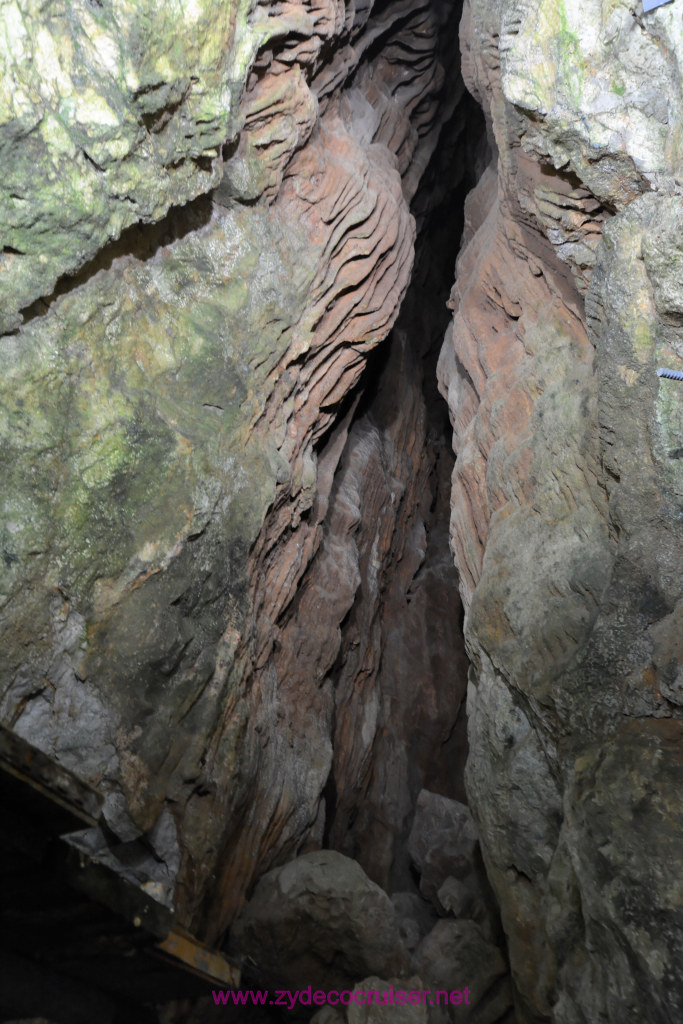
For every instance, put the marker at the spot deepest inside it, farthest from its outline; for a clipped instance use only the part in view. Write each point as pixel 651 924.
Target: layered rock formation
pixel 190 509
pixel 566 500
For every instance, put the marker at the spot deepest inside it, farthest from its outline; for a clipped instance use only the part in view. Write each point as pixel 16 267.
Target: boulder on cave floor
pixel 320 921
pixel 444 848
pixel 442 841
pixel 456 956
pixel 416 917
pixel 416 1001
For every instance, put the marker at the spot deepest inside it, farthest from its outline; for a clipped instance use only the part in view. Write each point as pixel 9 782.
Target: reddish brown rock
pixel 309 689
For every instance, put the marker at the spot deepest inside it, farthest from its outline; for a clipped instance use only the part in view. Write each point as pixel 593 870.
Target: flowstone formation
pixel 566 499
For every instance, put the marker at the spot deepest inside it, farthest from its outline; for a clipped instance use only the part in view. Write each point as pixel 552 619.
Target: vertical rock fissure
pixel 407 673
pixel 381 596
pixel 227 601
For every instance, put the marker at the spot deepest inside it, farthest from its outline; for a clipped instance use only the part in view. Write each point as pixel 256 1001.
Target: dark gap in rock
pixel 155 120
pixel 230 148
pixel 204 162
pixel 359 822
pixel 329 795
pixel 372 376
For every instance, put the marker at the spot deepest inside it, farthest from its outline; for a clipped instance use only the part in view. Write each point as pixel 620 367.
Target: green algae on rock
pixel 110 114
pixel 596 90
pixel 126 413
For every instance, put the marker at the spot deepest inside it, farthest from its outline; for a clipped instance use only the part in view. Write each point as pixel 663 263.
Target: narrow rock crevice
pixel 414 681
pixel 381 597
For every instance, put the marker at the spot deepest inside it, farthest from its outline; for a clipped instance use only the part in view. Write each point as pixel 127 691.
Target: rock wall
pixel 566 499
pixel 207 229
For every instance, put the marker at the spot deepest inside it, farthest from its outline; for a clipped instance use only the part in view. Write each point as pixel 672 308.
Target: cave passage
pixel 419 661
pixel 394 802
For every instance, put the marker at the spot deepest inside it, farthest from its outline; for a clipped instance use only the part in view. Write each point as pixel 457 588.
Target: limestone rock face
pixel 398 688
pixel 104 122
pixel 229 186
pixel 226 595
pixel 566 500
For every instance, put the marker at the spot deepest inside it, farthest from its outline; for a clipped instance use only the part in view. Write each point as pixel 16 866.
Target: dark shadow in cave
pixel 353 823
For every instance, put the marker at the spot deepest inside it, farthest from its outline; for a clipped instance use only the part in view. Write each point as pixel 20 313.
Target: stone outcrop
pixel 320 924
pixel 442 841
pixel 566 499
pixel 104 123
pixel 455 956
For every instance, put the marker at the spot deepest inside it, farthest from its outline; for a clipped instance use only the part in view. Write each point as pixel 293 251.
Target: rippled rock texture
pixel 193 500
pixel 566 499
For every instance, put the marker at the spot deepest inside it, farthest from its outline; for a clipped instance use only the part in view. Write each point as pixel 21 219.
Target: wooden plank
pixel 45 802
pixel 49 780
pixel 102 880
pixel 199 959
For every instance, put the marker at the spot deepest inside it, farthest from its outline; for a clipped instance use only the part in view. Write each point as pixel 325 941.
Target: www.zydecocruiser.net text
pixel 361 997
